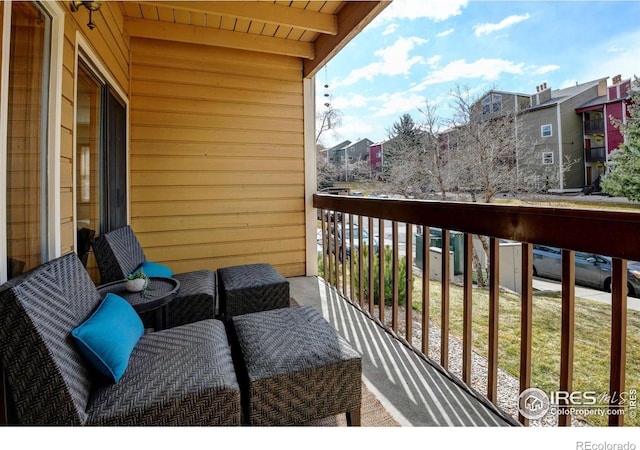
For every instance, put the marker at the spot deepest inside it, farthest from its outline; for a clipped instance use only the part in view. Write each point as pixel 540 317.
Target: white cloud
pixel 434 60
pixel 436 10
pixel 354 101
pixel 507 22
pixel 545 69
pixel 394 60
pixel 486 69
pixel 390 29
pixel 353 126
pixel 445 33
pixel 395 103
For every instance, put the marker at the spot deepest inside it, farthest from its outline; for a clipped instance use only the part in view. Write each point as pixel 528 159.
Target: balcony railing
pixel 594 126
pixel 596 154
pixel 569 229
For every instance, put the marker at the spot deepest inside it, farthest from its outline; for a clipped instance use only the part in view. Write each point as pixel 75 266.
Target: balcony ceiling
pixel 311 30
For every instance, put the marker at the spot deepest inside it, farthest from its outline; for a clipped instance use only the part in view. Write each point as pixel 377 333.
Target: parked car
pixel 591 270
pixel 356 240
pixel 332 217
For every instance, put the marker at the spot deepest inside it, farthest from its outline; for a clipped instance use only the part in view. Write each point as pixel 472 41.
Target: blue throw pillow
pixel 152 269
pixel 107 338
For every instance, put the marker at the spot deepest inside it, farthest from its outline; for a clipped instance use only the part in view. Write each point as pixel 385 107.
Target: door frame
pixel 85 53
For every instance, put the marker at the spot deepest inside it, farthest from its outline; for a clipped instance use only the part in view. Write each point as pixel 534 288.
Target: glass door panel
pixel 88 156
pixel 27 138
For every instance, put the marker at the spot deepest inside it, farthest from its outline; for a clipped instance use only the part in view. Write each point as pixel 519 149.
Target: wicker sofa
pixel 118 253
pixel 180 376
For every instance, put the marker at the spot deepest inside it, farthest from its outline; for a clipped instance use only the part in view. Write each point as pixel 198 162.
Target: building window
pixel 546 130
pixel 492 103
pixel 547 158
pixel 496 102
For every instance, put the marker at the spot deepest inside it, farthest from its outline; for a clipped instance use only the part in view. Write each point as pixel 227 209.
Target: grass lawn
pixel 592 339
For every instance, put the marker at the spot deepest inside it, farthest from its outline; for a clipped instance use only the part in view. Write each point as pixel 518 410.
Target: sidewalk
pixel 545 285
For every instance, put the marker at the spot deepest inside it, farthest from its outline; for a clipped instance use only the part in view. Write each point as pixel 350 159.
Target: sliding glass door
pixel 101 182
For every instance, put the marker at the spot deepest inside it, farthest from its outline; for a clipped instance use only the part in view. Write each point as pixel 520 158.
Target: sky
pixel 418 51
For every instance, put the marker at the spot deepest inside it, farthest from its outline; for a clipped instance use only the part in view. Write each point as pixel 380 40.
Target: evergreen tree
pixel 623 180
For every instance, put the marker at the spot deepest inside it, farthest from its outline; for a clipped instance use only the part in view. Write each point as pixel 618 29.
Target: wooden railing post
pixel 336 250
pixel 395 277
pixel 467 306
pixel 409 286
pixel 494 308
pixel 372 254
pixel 381 272
pixel 361 262
pixel 444 302
pixel 352 273
pixel 567 330
pixel 526 321
pixel 326 248
pixel 618 340
pixel 426 287
pixel 343 253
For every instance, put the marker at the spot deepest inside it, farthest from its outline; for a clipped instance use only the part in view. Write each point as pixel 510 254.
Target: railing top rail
pixel 614 233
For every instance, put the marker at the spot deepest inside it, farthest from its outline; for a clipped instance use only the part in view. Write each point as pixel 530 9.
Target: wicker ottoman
pixel 297 368
pixel 251 288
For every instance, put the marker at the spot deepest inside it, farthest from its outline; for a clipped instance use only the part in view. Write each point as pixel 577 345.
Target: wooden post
pixel 494 309
pixel 409 286
pixel 444 316
pixel 567 329
pixel 467 312
pixel 425 289
pixel 526 321
pixel 618 339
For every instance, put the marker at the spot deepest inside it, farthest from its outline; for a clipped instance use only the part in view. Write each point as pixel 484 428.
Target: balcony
pixel 596 154
pixel 568 229
pixel 594 126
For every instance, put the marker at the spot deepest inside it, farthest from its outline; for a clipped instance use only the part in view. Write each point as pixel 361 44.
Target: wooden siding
pixel 111 45
pixel 217 156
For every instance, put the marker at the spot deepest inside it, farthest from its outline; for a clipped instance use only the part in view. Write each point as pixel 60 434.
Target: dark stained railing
pixel 569 229
pixel 594 126
pixel 596 154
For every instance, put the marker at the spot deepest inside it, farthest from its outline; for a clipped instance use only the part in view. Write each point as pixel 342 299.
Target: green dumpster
pixel 456 245
pixel 434 241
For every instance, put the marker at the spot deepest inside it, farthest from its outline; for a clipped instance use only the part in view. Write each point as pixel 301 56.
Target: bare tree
pixel 437 169
pixel 406 158
pixel 326 172
pixel 328 118
pixel 360 171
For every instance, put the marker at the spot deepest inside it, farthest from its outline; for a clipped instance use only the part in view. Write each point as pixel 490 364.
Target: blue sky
pixel 419 50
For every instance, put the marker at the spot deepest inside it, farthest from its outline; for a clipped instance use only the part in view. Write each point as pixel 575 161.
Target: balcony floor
pixel 414 391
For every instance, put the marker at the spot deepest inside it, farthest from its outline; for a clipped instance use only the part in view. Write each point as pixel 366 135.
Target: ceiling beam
pixel 352 19
pixel 264 12
pixel 192 34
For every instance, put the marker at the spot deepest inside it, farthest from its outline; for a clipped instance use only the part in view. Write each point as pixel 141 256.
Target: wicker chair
pixel 180 376
pixel 118 253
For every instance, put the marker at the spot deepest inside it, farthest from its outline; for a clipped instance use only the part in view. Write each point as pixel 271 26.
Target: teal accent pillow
pixel 152 269
pixel 107 338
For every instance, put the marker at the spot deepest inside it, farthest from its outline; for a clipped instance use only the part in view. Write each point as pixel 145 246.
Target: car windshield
pixel 365 234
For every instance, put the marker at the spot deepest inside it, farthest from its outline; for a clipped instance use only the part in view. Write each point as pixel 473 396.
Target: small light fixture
pixel 91 6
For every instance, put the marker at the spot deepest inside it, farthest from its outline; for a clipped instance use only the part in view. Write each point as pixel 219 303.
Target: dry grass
pixel 592 338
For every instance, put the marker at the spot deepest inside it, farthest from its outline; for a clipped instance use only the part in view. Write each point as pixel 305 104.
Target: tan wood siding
pixel 217 157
